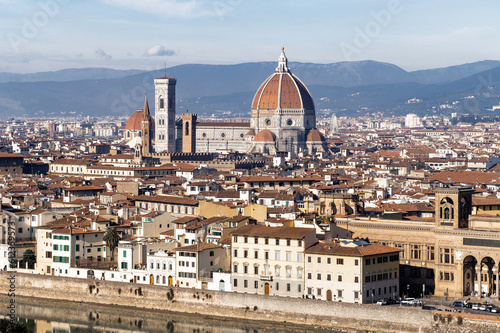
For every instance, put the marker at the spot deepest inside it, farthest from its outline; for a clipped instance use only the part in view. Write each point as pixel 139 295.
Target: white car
pixel 382 302
pixel 475 306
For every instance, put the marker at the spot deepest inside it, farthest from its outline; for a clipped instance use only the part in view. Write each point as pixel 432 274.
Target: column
pixel 495 282
pixel 477 282
pixel 497 268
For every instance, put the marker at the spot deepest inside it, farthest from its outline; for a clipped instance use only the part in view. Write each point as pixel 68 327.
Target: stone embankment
pixel 340 316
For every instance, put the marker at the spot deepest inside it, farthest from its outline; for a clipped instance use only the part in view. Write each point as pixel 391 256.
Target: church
pixel 283 119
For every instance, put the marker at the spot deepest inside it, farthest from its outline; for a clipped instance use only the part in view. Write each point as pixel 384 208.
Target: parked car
pixel 458 304
pixel 483 307
pixel 475 306
pixel 495 309
pixel 490 307
pixel 411 302
pixel 382 302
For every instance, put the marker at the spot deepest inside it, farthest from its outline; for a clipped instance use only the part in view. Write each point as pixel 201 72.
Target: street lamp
pixel 407 290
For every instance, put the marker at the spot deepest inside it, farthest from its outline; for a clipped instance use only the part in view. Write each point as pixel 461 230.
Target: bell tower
pixel 165 114
pixel 453 206
pixel 146 130
pixel 189 133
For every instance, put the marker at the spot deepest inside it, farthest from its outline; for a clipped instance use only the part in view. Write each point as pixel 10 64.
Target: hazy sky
pixel 48 35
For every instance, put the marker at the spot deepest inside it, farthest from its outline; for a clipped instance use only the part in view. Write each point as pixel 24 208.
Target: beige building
pixel 268 260
pixel 457 255
pixel 351 271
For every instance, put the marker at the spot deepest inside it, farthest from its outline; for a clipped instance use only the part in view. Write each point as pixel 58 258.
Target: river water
pixel 44 316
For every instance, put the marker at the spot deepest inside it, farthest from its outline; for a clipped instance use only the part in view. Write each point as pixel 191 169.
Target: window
pixel 277 255
pixel 256 254
pixel 319 260
pixel 367 262
pixel 328 260
pixel 288 242
pixel 256 270
pixel 235 268
pixel 299 242
pixel 288 287
pixel 288 271
pixel 340 261
pixel 256 240
pixel 235 282
pixel 356 262
pixel 235 239
pixel 299 257
pixel 277 241
pixel 235 253
pixel 446 256
pixel 309 259
pixel 245 283
pixel 319 291
pixel 288 256
pixel 266 255
pixel 245 269
pixel 329 277
pixel 430 252
pixel 277 271
pixel 356 294
pixel 309 276
pixel 339 293
pixel 212 253
pixel 245 253
pixel 277 286
pixel 245 240
pixel 318 276
pixel 356 279
pixel 340 278
pixel 266 241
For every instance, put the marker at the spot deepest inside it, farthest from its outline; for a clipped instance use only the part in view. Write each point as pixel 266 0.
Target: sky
pixel 49 35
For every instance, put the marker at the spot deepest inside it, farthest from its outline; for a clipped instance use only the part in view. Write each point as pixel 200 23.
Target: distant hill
pixel 72 74
pixel 345 87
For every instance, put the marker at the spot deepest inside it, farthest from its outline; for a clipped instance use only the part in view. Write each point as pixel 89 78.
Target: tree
pixel 29 258
pixel 9 326
pixel 112 238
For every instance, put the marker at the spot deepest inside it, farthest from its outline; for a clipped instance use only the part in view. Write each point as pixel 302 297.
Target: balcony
pixel 266 277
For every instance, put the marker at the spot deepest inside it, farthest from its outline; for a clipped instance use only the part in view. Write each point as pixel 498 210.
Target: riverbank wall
pixel 340 316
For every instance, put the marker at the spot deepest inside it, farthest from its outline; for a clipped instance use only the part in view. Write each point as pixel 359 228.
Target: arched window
pixel 446 213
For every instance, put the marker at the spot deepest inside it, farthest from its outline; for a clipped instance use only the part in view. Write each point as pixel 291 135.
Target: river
pixel 43 316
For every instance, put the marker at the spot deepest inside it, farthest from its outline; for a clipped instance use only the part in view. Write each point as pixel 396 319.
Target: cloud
pixel 101 54
pixel 158 50
pixel 129 54
pixel 168 8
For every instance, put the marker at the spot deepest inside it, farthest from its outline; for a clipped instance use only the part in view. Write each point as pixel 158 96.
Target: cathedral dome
pixel 315 136
pixel 282 90
pixel 265 136
pixel 135 120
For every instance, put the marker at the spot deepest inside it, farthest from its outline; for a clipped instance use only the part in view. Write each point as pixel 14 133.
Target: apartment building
pixel 351 271
pixel 270 261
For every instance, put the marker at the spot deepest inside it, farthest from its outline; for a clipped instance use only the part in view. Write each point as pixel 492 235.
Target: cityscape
pixel 346 196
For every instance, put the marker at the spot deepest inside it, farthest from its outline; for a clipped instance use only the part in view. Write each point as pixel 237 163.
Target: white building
pixel 270 260
pixel 412 121
pixel 351 271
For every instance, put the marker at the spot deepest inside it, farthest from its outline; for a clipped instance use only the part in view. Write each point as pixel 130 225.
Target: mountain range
pixel 347 88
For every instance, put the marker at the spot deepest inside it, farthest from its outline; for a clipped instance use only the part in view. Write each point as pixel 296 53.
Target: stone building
pixel 456 255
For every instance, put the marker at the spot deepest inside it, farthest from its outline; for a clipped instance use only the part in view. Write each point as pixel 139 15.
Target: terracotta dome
pixel 135 120
pixel 282 90
pixel 265 136
pixel 315 136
